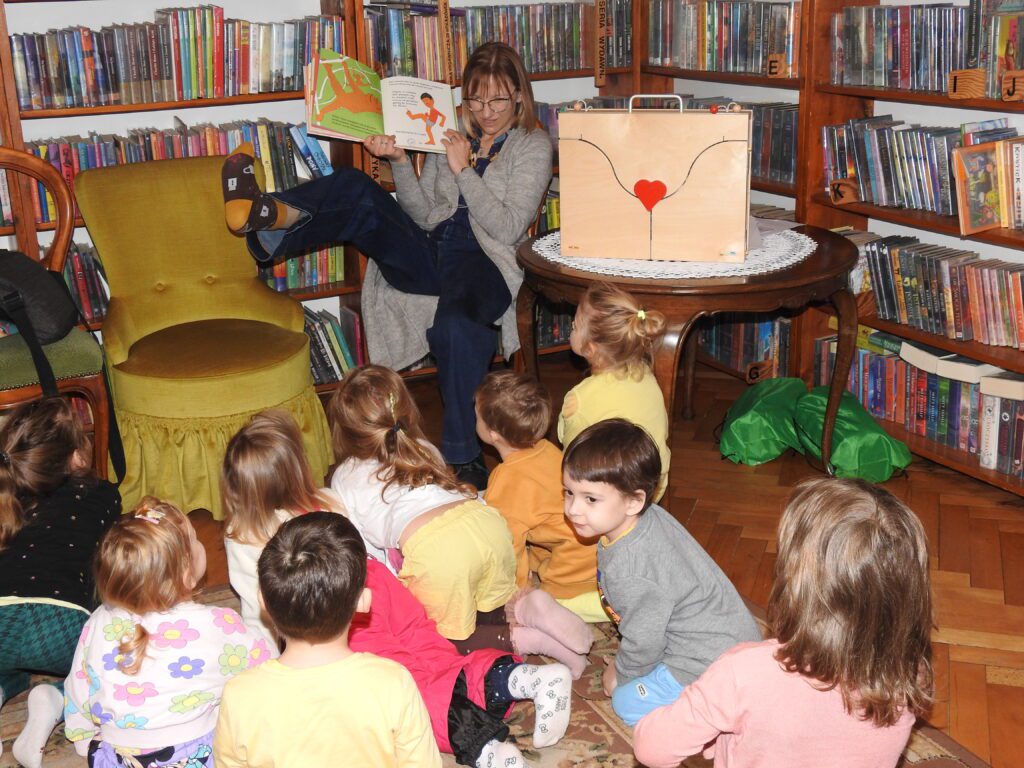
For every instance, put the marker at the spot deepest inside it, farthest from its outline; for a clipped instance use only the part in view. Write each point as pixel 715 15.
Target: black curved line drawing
pixel 688 171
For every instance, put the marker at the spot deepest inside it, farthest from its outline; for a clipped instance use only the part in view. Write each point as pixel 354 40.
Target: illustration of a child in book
pixel 430 118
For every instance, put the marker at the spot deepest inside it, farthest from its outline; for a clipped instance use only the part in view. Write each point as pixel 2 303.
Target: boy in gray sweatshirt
pixel 675 609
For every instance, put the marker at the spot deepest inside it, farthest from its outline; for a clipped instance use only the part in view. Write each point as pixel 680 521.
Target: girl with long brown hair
pixel 451 550
pixel 265 481
pixel 53 512
pixel 151 664
pixel 442 269
pixel 848 668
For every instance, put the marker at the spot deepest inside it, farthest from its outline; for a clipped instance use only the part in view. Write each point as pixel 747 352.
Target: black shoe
pixel 473 472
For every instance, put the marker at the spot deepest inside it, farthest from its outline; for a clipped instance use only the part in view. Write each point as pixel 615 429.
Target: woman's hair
pixel 37 441
pixel 620 332
pixel 265 469
pixel 851 605
pixel 500 63
pixel 374 418
pixel 617 452
pixel 516 406
pixel 143 565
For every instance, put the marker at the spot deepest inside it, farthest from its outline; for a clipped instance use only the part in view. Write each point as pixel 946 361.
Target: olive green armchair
pixel 196 343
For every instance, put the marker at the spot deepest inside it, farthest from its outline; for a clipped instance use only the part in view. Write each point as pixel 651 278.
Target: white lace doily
pixel 778 251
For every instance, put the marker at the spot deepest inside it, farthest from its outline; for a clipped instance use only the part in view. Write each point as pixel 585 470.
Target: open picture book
pixel 345 99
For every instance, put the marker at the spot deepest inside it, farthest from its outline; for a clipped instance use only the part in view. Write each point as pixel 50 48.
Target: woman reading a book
pixel 442 268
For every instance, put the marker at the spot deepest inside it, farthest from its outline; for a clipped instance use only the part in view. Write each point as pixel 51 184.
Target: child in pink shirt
pixel 850 666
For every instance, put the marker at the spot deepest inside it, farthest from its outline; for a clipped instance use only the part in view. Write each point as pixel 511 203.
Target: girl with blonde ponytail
pixel 151 664
pixel 52 514
pixel 616 336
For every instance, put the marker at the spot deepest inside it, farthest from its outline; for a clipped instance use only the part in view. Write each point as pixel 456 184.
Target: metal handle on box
pixel 675 96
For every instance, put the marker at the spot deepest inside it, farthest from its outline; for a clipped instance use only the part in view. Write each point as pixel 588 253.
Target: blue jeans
pixel 348 206
pixel 636 698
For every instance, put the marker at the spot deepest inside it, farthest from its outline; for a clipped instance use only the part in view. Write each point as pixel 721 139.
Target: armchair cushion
pixel 77 354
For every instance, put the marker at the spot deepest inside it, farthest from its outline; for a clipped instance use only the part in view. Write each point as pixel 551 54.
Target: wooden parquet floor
pixel 976 534
pixel 976 537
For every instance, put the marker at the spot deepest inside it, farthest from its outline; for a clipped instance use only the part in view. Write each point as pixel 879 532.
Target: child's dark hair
pixel 617 452
pixel 851 604
pixel 311 575
pixel 37 441
pixel 516 406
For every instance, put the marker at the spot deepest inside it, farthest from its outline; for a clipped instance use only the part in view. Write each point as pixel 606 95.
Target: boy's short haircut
pixel 516 406
pixel 617 452
pixel 311 575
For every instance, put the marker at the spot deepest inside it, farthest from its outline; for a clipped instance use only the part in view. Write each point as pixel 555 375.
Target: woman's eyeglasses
pixel 497 105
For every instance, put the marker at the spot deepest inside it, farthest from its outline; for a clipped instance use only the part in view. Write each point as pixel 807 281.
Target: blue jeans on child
pixel 636 698
pixel 348 206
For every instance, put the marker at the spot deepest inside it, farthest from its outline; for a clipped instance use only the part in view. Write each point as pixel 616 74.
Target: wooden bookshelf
pixel 325 291
pixel 773 187
pixel 927 98
pixel 734 78
pixel 1008 358
pixel 943 225
pixel 156 106
pixel 952 458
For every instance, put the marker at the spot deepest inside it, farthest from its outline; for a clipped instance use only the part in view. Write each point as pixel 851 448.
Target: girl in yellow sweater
pixel 616 336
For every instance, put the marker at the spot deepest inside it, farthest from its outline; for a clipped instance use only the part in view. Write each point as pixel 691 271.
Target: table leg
pixel 689 371
pixel 846 311
pixel 666 365
pixel 525 303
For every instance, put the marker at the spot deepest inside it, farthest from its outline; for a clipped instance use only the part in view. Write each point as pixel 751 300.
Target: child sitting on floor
pixel 513 414
pixel 266 482
pixel 53 512
pixel 321 703
pixel 616 336
pixel 675 609
pixel 451 550
pixel 151 664
pixel 848 667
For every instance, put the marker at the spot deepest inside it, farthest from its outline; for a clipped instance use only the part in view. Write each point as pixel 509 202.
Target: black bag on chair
pixel 39 303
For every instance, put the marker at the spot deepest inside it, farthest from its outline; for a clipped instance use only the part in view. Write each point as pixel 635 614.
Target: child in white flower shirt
pixel 150 666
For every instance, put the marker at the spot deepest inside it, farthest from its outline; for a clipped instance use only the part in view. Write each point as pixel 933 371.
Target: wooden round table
pixel 822 276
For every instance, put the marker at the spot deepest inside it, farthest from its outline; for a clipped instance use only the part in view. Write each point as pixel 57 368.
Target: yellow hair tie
pixel 641 314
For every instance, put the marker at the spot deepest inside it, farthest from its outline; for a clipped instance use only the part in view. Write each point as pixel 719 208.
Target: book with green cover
pixel 348 100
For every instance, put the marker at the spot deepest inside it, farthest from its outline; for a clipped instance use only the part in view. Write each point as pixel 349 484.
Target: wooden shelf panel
pixel 952 458
pixel 945 225
pixel 773 187
pixel 735 78
pixel 1003 357
pixel 324 291
pixel 920 97
pixel 36 114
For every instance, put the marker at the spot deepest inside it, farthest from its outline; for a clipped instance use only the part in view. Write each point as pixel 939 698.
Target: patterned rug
pixel 596 737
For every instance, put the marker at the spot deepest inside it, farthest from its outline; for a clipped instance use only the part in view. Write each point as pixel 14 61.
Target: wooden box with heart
pixel 654 184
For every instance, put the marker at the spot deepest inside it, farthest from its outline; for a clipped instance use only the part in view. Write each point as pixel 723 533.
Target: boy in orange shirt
pixel 513 413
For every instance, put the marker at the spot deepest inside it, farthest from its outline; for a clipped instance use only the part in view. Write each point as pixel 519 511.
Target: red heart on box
pixel 650 193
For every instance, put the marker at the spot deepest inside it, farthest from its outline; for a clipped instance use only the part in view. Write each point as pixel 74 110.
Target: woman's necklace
pixel 474 153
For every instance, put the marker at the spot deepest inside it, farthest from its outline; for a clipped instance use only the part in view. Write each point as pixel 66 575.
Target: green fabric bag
pixel 860 447
pixel 759 426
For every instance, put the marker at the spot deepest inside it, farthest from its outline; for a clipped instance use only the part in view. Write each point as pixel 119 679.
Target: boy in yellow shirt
pixel 513 413
pixel 321 703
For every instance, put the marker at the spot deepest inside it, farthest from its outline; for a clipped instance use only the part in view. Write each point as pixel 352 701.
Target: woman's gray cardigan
pixel 502 205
